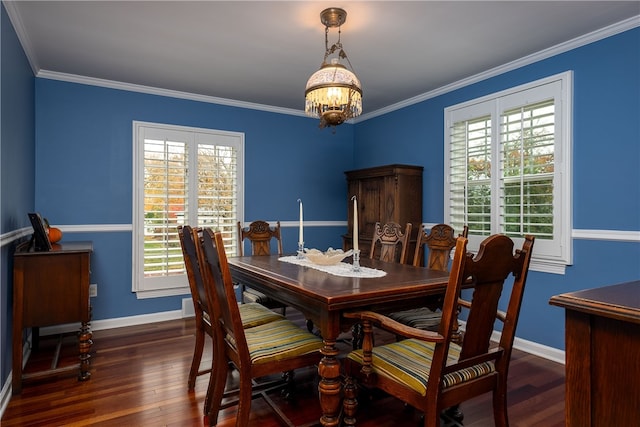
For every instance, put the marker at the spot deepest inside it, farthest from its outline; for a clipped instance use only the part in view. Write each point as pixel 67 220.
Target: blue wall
pixel 83 166
pixel 606 165
pixel 17 177
pixel 84 173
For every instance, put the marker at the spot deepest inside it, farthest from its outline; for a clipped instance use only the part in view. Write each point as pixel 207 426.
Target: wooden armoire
pixel 384 193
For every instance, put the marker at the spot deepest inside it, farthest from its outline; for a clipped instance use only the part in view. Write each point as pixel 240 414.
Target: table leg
pixel 84 345
pixel 330 384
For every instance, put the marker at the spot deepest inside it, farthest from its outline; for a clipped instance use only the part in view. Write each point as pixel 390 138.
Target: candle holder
pixel 300 250
pixel 356 260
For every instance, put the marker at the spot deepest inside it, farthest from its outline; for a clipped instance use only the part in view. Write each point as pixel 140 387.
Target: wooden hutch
pixel 385 193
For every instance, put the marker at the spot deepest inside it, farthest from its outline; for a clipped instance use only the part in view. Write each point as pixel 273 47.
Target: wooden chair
pixel 439 241
pixel 260 234
pixel 252 314
pixel 392 241
pixel 393 248
pixel 427 370
pixel 275 347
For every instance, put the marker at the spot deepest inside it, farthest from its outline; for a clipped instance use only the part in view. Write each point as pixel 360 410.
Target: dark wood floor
pixel 139 378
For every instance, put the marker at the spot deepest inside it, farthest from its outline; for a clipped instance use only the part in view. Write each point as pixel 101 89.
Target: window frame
pixel 176 284
pixel 551 258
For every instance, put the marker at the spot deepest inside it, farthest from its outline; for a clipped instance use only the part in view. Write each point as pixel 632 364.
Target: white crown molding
pixel 23 37
pixel 73 78
pixel 583 40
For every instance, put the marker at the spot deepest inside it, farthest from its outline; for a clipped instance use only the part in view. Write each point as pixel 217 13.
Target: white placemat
pixel 339 269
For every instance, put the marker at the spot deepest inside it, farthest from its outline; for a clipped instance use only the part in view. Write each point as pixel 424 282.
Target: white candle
pixel 301 236
pixel 355 223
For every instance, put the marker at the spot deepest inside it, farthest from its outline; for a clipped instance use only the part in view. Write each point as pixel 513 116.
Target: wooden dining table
pixel 323 298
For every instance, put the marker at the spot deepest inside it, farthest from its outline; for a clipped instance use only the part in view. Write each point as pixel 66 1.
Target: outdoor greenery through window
pixel 183 176
pixel 508 167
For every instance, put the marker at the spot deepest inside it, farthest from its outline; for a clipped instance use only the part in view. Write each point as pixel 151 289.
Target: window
pixel 508 168
pixel 181 176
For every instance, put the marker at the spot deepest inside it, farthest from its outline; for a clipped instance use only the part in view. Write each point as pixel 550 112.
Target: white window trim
pixel 177 285
pixel 563 165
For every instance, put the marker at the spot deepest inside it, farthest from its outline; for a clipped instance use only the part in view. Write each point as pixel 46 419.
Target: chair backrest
pixel 392 240
pixel 440 241
pixel 194 275
pixel 488 271
pixel 260 233
pixel 217 278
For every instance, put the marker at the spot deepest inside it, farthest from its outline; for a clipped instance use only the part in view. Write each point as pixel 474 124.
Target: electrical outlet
pixel 93 290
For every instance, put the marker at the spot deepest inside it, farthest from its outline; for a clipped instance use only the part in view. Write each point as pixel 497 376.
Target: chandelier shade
pixel 333 93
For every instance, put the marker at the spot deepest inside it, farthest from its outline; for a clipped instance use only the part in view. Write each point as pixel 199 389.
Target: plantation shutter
pixel 188 176
pixel 527 170
pixel 508 168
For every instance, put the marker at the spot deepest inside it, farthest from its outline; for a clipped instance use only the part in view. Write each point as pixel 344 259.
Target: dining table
pixel 323 296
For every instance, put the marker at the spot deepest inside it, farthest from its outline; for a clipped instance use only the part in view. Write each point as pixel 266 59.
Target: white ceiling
pixel 264 51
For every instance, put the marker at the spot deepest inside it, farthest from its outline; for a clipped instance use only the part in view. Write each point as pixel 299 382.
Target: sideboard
pixel 602 333
pixel 51 288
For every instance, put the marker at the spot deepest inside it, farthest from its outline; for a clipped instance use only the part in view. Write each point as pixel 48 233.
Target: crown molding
pixel 92 81
pixel 577 42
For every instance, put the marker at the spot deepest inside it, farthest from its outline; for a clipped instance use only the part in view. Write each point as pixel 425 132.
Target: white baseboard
pixel 187 308
pixel 536 349
pixel 5 395
pixel 120 322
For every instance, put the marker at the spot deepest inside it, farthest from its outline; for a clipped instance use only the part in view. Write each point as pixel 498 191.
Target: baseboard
pixel 120 322
pixel 546 352
pixel 187 308
pixel 540 350
pixel 5 395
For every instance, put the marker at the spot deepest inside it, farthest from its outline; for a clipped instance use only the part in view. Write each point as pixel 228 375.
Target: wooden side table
pixel 602 355
pixel 51 288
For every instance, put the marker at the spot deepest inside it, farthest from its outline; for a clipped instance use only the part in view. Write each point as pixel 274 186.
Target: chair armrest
pixel 391 325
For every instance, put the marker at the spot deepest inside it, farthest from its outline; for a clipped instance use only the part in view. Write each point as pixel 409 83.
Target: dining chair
pixel 392 241
pixel 427 370
pixel 439 241
pixel 279 346
pixel 252 314
pixel 393 244
pixel 260 234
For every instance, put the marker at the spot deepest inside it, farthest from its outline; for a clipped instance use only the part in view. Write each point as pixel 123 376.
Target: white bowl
pixel 330 257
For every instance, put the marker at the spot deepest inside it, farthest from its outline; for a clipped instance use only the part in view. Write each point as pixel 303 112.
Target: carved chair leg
pixel 350 402
pixel 288 392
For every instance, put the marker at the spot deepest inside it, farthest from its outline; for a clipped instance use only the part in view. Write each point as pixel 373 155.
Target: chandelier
pixel 333 93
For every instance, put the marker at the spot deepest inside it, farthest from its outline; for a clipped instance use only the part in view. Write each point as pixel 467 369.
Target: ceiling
pixel 263 52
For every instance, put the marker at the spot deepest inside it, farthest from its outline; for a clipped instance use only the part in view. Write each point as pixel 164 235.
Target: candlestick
pixel 300 234
pixel 356 260
pixel 355 223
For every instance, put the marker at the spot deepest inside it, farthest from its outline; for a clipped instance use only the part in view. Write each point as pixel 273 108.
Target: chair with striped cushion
pixel 440 241
pixel 271 348
pixel 252 314
pixel 392 242
pixel 260 234
pixel 427 370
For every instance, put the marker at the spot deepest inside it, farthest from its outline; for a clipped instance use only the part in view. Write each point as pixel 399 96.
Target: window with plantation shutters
pixel 508 168
pixel 181 176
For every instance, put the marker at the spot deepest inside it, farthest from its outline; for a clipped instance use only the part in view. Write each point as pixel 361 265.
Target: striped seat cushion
pixel 408 362
pixel 420 318
pixel 280 339
pixel 254 314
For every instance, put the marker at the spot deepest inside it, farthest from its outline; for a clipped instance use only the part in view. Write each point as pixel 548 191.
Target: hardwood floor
pixel 139 378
